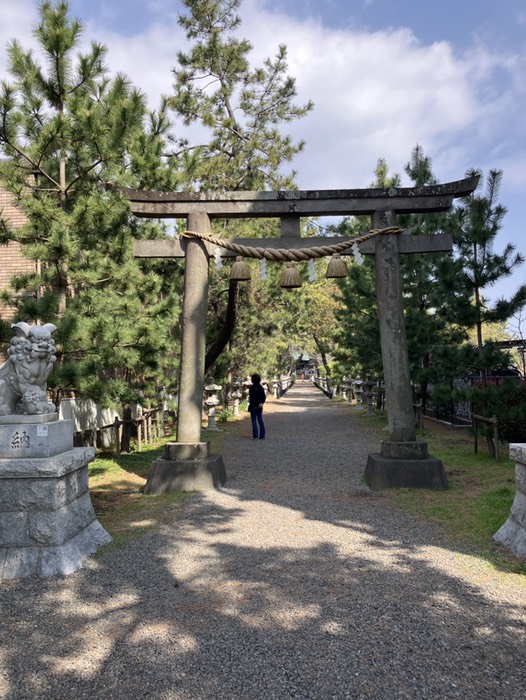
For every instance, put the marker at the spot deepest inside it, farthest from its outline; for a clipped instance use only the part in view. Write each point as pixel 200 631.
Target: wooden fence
pixel 477 420
pixel 146 428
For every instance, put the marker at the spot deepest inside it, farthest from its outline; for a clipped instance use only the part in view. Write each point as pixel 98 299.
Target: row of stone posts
pixel 362 393
pixel 366 393
pixel 239 392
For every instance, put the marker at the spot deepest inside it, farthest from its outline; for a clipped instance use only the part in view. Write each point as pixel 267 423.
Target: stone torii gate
pixel 402 460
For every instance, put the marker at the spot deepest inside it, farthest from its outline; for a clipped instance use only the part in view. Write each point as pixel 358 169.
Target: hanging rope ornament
pixel 358 257
pixel 336 267
pixel 290 279
pixel 263 269
pixel 284 254
pixel 217 258
pixel 240 270
pixel 311 270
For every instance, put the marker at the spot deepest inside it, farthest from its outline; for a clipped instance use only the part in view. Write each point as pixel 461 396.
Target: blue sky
pixel 383 75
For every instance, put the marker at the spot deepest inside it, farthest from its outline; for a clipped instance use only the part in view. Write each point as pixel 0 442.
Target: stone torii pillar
pixel 195 306
pixel 187 464
pixel 402 460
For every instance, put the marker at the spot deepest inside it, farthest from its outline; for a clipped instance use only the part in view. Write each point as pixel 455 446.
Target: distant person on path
pixel 256 399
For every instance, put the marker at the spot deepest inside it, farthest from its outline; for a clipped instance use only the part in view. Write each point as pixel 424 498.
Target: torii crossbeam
pixel 402 461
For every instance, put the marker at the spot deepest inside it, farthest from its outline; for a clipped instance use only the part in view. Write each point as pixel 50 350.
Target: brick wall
pixel 12 261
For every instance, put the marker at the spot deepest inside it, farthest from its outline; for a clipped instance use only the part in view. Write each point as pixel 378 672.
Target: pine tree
pixel 66 128
pixel 241 107
pixel 240 110
pixel 358 350
pixel 475 224
pixel 429 325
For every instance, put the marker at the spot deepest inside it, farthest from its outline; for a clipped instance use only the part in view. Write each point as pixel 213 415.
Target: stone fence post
pixel 513 533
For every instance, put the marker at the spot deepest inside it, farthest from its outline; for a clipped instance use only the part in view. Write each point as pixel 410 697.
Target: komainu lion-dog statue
pixel 23 376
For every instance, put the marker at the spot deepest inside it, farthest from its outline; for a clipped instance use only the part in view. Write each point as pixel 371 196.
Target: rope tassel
pixel 290 279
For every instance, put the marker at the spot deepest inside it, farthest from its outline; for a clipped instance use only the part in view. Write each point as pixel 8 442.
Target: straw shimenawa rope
pixel 283 254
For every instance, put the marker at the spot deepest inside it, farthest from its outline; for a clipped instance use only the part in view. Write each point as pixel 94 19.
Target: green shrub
pixel 510 411
pixel 224 414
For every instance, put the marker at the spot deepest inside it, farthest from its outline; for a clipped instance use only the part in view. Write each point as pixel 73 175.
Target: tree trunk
pixel 126 429
pixel 323 355
pixel 224 335
pixel 492 450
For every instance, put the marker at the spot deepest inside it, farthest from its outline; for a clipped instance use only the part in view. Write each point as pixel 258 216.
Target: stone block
pixel 13 529
pixel 23 419
pixel 384 473
pixel 518 508
pixel 47 522
pixel 35 439
pixel 18 562
pixel 70 556
pixel 21 562
pixel 404 450
pixel 518 452
pixel 46 494
pixel 180 475
pixel 513 533
pixel 513 536
pixel 186 451
pixel 55 466
pixel 520 477
pixel 51 528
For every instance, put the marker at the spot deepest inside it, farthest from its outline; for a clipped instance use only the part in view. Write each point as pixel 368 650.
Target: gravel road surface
pixel 293 581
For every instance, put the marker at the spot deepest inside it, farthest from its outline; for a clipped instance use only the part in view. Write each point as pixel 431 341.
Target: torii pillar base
pixel 186 467
pixel 404 465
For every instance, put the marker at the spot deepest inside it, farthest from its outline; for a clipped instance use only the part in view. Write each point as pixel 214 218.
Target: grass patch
pixel 471 511
pixel 479 498
pixel 116 485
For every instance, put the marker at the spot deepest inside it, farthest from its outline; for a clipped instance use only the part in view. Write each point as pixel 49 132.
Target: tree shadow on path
pixel 276 587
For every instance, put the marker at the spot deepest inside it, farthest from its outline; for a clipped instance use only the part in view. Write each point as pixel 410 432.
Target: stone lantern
pixel 275 387
pixel 211 401
pixel 358 392
pixel 349 383
pixel 369 395
pixel 246 386
pixel 236 394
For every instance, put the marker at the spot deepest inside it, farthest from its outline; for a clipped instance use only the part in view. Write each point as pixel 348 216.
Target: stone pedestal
pixel 186 467
pixel 47 522
pixel 513 533
pixel 404 465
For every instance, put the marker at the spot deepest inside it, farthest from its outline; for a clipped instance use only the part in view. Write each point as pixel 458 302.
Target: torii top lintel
pixel 401 200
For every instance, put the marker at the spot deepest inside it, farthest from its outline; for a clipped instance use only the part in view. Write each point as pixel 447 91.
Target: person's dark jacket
pixel 256 396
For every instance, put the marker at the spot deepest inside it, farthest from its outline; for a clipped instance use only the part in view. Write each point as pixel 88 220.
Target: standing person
pixel 256 399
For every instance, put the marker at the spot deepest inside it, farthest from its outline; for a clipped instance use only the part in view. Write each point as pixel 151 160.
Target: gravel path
pixel 294 581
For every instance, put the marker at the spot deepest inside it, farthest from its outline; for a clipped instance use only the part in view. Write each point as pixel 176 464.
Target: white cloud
pixel 147 58
pixel 17 23
pixel 376 94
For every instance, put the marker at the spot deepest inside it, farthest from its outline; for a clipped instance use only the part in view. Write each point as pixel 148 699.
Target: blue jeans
pixel 256 415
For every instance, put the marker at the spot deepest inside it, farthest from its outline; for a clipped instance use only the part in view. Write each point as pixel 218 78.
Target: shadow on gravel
pixel 240 622
pixel 321 592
